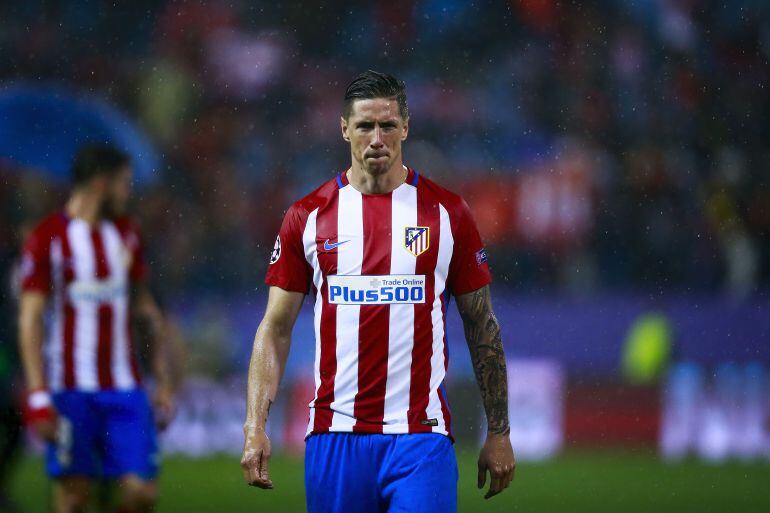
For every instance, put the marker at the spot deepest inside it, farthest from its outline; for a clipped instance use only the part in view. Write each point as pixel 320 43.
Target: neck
pixel 368 183
pixel 84 206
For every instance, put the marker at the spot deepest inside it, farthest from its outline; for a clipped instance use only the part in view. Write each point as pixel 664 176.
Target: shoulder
pixel 454 204
pixel 325 193
pixel 295 219
pixel 299 211
pixel 49 228
pixel 129 230
pixel 126 224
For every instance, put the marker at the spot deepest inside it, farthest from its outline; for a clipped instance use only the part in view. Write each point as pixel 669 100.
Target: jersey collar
pixel 411 178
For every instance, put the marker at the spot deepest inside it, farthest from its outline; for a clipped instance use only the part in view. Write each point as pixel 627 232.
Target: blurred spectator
pixel 602 145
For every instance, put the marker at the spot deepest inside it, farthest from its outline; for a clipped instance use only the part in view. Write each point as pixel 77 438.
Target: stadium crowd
pixel 602 145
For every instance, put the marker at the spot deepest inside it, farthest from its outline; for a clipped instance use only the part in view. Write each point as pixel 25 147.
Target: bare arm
pixel 31 332
pixel 150 318
pixel 482 333
pixel 268 360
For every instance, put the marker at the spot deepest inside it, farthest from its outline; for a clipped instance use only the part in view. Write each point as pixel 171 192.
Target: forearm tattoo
pixel 482 332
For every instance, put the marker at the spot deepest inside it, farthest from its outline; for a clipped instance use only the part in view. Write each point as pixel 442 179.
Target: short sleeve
pixel 468 269
pixel 288 268
pixel 36 262
pixel 138 271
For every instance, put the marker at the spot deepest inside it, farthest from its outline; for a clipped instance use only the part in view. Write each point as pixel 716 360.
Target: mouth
pixel 376 155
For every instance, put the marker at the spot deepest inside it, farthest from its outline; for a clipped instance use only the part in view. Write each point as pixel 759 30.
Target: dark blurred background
pixel 605 145
pixel 614 154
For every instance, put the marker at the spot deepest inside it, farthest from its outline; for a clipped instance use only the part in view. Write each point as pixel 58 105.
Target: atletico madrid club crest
pixel 417 239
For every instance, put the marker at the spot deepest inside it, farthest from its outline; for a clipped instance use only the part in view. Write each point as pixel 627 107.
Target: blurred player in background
pixel 382 248
pixel 86 263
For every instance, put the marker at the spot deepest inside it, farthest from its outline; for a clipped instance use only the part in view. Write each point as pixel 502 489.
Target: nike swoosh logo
pixel 328 246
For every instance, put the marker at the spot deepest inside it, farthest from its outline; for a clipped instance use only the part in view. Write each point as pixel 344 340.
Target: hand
pixel 46 428
pixel 496 457
pixel 256 455
pixel 163 406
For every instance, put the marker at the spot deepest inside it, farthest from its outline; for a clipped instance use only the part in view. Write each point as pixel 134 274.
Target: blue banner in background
pixel 586 335
pixel 41 128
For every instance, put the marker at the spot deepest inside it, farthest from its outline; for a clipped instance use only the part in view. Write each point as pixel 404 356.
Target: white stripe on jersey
pixel 437 362
pixel 116 254
pixel 311 255
pixel 404 213
pixel 86 312
pixel 350 257
pixel 55 346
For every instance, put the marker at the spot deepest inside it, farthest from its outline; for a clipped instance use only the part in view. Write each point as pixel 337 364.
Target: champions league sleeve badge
pixel 276 254
pixel 417 239
pixel 481 256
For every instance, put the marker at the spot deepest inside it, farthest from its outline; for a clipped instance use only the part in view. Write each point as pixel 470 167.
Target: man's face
pixel 375 130
pixel 117 192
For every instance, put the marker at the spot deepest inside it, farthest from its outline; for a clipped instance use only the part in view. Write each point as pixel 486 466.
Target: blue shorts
pixel 371 473
pixel 103 434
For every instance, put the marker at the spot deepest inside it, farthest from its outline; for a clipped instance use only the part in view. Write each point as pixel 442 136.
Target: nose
pixel 377 142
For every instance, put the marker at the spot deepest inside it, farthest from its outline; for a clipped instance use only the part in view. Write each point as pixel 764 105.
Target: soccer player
pixel 381 248
pixel 87 263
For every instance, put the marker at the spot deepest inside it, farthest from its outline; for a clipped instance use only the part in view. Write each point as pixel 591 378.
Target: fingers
pixel 495 487
pixel 511 475
pixel 164 414
pixel 264 475
pixel 501 478
pixel 255 471
pixel 482 475
pixel 46 429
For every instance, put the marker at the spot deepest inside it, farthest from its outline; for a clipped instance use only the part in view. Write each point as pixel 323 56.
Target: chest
pixel 377 235
pixel 91 263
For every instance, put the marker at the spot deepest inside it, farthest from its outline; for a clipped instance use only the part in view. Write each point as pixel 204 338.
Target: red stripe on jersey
pixel 104 348
pixel 445 410
pixel 422 351
pixel 374 320
pixel 131 353
pixel 105 314
pixel 326 229
pixel 100 256
pixel 69 345
pixel 69 312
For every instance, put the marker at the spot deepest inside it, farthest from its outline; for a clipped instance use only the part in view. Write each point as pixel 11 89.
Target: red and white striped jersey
pixel 381 267
pixel 86 271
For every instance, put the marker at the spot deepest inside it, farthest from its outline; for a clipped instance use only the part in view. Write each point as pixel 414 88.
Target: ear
pixel 405 133
pixel 344 128
pixel 99 184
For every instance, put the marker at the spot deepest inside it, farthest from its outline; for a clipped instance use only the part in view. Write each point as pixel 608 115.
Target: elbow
pixel 271 330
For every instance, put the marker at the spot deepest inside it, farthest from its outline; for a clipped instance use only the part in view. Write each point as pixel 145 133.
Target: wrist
pixel 164 388
pixel 499 430
pixel 163 382
pixel 39 398
pixel 253 427
pixel 39 406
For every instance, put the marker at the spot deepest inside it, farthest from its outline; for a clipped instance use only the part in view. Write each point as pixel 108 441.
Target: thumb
pixel 482 478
